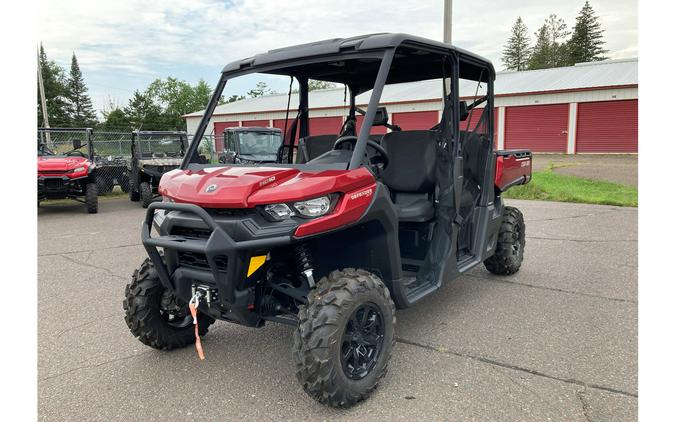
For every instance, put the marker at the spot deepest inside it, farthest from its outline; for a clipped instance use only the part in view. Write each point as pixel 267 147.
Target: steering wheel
pixel 75 152
pixel 381 157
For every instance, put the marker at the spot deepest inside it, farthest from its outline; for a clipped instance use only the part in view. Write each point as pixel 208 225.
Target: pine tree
pixel 557 30
pixel 586 42
pixel 81 111
pixel 517 49
pixel 53 79
pixel 541 52
pixel 143 113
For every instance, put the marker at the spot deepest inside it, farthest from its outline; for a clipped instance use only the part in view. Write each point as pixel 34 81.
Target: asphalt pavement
pixel 557 341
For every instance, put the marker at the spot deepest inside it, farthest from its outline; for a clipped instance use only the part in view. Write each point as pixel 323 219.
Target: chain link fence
pixel 112 155
pixel 61 141
pixel 208 147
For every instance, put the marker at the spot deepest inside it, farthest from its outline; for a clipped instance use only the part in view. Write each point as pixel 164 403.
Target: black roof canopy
pixel 355 61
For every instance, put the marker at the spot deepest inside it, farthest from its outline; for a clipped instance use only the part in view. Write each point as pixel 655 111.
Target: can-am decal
pixel 357 195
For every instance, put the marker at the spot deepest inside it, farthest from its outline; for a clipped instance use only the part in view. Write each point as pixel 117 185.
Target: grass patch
pixel 549 186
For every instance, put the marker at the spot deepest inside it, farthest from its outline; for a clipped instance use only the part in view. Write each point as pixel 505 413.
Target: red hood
pixel 61 163
pixel 245 187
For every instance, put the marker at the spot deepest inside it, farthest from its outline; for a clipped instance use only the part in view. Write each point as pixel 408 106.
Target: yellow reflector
pixel 256 262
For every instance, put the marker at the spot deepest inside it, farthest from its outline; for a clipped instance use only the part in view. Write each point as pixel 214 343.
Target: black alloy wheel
pixel 362 341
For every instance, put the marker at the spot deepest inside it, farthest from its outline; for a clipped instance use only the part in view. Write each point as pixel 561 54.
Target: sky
pixel 123 45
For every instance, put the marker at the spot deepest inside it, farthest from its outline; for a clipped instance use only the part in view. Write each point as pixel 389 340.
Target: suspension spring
pixel 304 264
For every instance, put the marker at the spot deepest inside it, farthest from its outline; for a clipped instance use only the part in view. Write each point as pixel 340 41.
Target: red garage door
pixel 376 130
pixel 538 128
pixel 255 123
pixel 416 120
pixel 607 126
pixel 325 125
pixel 281 124
pixel 218 128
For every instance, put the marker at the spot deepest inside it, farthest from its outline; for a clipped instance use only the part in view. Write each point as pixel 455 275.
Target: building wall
pixel 408 111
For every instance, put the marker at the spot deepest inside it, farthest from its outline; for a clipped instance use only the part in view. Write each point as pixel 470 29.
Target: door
pixel 416 120
pixel 607 126
pixel 325 125
pixel 540 128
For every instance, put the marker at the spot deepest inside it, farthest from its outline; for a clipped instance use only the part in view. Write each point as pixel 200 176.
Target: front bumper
pixel 212 250
pixel 55 187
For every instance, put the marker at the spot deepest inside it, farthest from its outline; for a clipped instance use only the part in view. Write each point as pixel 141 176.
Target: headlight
pixel 313 207
pixel 79 170
pixel 278 212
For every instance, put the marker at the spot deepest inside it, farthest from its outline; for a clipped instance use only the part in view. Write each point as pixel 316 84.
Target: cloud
pixel 133 42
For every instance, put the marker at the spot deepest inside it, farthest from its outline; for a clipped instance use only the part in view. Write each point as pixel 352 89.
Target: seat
pixel 311 147
pixel 411 173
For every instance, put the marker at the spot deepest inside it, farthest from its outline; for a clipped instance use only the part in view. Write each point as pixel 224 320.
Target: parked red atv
pixel 65 166
pixel 331 243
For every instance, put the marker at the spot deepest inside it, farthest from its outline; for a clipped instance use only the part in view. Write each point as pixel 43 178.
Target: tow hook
pixel 204 292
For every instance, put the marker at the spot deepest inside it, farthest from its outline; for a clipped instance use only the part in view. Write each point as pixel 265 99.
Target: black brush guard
pixel 219 244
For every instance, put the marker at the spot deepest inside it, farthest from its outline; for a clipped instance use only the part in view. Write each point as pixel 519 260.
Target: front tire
pixel 91 198
pixel 344 338
pixel 103 185
pixel 510 250
pixel 157 318
pixel 146 194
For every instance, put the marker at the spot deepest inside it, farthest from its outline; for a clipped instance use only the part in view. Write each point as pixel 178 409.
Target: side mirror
pixel 463 111
pixel 381 117
pixel 77 144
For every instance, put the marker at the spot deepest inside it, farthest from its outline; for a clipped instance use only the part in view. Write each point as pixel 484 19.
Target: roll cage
pixel 362 64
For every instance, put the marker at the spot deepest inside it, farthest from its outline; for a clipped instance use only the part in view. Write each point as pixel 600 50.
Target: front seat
pixel 311 147
pixel 410 175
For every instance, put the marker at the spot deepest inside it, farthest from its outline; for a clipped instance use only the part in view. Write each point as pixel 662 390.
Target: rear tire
pixel 91 198
pixel 510 250
pixel 146 194
pixel 348 311
pixel 148 321
pixel 124 184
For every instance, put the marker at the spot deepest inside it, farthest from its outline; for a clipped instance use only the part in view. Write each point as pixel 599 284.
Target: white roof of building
pixel 608 73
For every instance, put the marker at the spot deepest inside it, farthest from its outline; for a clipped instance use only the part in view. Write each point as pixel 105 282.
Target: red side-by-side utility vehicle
pixel 343 228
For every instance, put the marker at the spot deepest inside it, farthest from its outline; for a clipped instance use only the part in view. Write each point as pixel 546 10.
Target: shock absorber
pixel 303 262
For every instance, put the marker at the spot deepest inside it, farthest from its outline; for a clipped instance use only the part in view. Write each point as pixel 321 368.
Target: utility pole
pixel 43 101
pixel 447 21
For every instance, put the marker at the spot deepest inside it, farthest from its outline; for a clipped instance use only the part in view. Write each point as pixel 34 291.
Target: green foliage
pixel 557 29
pixel 541 52
pixel 54 81
pixel 313 85
pixel 586 42
pixel 550 49
pixel 176 98
pixel 78 104
pixel 143 113
pixel 549 186
pixel 232 99
pixel 116 120
pixel 516 53
pixel 260 89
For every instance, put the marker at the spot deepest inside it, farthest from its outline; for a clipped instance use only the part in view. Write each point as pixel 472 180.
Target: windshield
pixel 259 143
pixel 63 142
pixel 160 146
